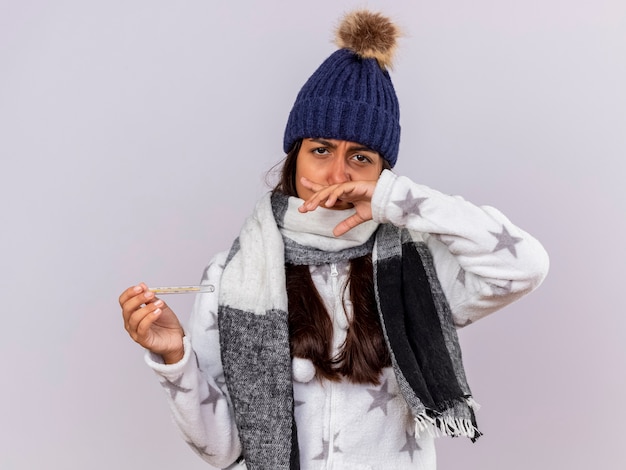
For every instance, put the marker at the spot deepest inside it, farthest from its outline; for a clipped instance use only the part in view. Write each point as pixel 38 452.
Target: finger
pixel 342 192
pixel 144 316
pixel 134 303
pixel 322 196
pixel 332 197
pixel 129 293
pixel 314 201
pixel 307 183
pixel 347 225
pixel 319 196
pixel 145 324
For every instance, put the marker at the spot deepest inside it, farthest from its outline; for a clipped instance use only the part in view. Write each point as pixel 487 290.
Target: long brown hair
pixel 287 182
pixel 364 352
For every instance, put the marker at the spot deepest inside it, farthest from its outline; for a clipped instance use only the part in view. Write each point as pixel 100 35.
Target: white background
pixel 135 137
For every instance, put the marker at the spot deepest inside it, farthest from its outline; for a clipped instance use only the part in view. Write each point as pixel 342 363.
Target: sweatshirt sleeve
pixel 195 386
pixel 483 261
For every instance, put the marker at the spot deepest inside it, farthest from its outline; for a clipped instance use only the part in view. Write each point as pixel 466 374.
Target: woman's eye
pixel 320 151
pixel 362 159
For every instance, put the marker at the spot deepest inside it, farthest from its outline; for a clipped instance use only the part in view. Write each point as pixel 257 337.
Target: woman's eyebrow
pixel 352 148
pixel 360 148
pixel 323 142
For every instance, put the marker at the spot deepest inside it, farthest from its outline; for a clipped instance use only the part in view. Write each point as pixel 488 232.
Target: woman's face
pixel 331 161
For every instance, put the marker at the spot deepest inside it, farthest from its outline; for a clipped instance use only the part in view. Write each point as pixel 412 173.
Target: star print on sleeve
pixel 461 276
pixel 506 240
pixel 410 204
pixel 205 274
pixel 501 290
pixel 199 450
pixel 411 445
pixel 381 398
pixel 324 454
pixel 214 397
pixel 213 325
pixel 325 448
pixel 174 387
pixel 336 448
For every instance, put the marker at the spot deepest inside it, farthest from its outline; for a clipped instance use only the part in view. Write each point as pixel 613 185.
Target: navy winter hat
pixel 350 96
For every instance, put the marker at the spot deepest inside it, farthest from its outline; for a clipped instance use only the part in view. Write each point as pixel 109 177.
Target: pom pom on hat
pixel 369 35
pixel 303 369
pixel 350 96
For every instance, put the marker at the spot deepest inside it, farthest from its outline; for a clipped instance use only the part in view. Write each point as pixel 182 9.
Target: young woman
pixel 330 338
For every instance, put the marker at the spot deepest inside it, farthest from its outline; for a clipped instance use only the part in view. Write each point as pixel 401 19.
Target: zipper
pixel 331 429
pixel 333 270
pixel 334 275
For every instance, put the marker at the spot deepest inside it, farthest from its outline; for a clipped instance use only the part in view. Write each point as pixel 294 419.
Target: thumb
pixel 348 224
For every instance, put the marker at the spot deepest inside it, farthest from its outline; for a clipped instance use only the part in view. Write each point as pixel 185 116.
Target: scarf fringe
pixel 446 425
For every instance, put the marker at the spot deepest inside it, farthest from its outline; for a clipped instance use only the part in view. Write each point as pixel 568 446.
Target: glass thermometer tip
pixel 182 289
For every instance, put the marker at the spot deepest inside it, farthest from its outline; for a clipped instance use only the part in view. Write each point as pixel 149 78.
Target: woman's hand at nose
pixel 357 193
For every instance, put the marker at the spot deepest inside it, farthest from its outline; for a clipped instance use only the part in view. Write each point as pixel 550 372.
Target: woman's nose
pixel 339 171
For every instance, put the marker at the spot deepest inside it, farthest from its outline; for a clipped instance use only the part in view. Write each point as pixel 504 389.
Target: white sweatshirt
pixel 483 262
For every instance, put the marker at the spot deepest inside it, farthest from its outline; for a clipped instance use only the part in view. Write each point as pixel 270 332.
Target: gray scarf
pixel 254 333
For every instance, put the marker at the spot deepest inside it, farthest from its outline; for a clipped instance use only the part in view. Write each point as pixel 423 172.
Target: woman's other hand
pixel 357 193
pixel 151 323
